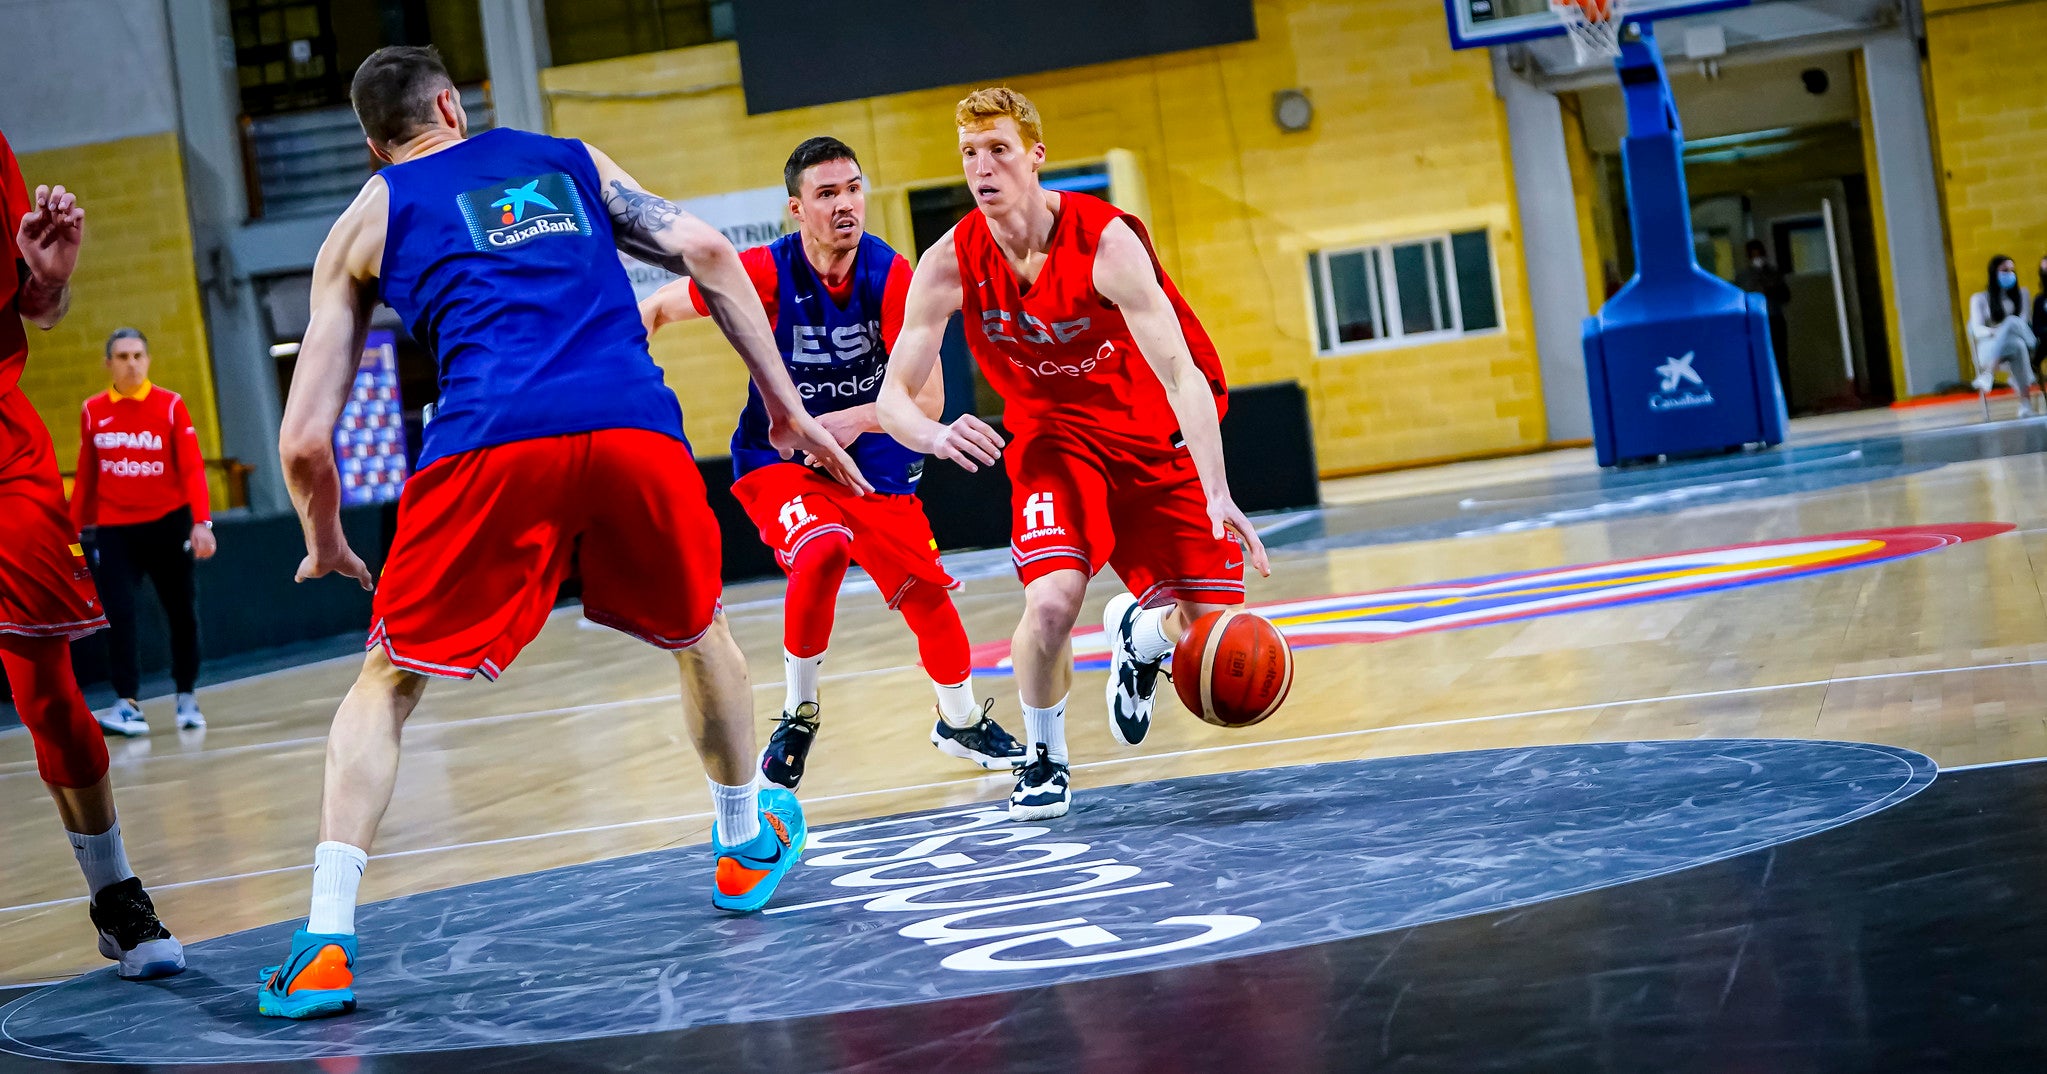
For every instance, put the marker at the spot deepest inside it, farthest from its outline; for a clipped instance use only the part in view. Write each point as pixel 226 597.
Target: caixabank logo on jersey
pixel 514 212
pixel 1383 615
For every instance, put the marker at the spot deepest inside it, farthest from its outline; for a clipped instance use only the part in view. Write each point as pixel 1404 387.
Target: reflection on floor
pixel 1811 955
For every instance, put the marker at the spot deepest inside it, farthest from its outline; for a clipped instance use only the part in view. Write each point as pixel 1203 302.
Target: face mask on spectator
pixel 2007 279
pixel 1757 262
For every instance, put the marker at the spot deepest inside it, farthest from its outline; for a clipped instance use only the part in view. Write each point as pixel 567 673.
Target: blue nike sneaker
pixel 315 982
pixel 748 874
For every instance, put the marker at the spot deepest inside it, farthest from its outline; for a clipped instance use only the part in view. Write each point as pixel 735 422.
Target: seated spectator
pixel 1999 334
pixel 141 498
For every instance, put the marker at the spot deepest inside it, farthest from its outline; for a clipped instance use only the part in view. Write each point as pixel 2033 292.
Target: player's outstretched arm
pixel 344 292
pixel 49 237
pixel 660 232
pixel 1125 275
pixel 667 306
pixel 913 365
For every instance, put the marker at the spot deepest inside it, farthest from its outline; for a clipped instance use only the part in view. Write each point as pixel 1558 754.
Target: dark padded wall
pixel 892 46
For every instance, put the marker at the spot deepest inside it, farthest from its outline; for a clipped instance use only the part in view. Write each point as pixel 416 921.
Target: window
pixel 1420 289
pixel 589 30
pixel 295 55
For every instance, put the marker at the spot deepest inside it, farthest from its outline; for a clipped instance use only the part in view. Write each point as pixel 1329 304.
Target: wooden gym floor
pixel 578 753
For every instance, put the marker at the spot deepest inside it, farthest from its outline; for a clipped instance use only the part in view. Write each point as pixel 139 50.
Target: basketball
pixel 1232 668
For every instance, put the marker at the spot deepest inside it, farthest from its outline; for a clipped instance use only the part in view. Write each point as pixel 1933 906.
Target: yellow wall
pixel 1408 140
pixel 135 269
pixel 1991 133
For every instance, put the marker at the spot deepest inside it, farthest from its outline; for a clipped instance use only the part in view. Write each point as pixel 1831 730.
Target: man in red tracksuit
pixel 141 495
pixel 46 594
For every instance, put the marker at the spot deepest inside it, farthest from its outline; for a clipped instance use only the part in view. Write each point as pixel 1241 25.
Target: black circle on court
pixel 959 902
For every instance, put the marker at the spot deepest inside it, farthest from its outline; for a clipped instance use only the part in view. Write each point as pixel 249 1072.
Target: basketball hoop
pixel 1595 26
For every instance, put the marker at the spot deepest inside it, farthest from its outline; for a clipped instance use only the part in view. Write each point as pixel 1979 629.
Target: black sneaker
pixel 1041 789
pixel 782 761
pixel 1133 683
pixel 131 935
pixel 985 743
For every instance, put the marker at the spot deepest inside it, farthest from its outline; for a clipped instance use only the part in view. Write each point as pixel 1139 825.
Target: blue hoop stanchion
pixel 1679 361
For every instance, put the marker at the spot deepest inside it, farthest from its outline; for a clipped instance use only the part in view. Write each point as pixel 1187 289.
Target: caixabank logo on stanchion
pixel 1385 614
pixel 1682 388
pixel 514 212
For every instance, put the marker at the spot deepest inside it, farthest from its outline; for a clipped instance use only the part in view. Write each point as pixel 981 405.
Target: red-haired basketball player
pixel 835 297
pixel 46 595
pixel 1114 397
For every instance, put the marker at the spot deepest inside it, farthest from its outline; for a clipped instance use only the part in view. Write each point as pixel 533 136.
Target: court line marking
pixel 23 768
pixel 531 836
pixel 502 840
pixel 1991 764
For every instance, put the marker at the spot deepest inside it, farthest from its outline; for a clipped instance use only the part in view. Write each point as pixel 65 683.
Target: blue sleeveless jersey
pixel 498 255
pixel 835 355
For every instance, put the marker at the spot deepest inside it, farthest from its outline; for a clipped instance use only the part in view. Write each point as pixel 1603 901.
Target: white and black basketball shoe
pixel 984 742
pixel 1042 789
pixel 131 934
pixel 1133 683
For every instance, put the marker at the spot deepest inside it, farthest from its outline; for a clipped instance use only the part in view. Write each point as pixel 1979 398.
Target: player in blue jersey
pixel 835 296
pixel 554 448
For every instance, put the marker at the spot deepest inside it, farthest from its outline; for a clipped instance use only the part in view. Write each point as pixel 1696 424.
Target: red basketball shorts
pixel 46 590
pixel 1078 503
pixel 487 537
pixel 793 504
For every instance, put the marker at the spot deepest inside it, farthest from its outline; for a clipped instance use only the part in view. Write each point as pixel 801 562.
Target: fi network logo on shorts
pixel 516 211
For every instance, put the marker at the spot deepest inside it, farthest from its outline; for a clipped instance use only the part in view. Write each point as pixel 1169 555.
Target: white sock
pixel 337 872
pixel 102 857
pixel 956 705
pixel 1046 726
pixel 739 812
pixel 799 679
pixel 1148 633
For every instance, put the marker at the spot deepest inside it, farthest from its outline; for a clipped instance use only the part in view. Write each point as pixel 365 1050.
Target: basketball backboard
pixel 1483 23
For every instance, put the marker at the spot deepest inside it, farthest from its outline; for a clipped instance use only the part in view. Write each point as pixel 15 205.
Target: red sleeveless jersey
pixel 1056 350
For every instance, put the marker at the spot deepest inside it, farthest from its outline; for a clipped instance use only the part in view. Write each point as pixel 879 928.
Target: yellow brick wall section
pixel 135 269
pixel 1991 131
pixel 1408 140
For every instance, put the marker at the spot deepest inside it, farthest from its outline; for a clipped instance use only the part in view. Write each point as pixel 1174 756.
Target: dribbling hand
pixel 1223 514
pixel 968 441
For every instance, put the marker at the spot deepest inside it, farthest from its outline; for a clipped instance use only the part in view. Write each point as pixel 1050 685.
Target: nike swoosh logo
pixel 804 298
pixel 1233 566
pixel 104 421
pixel 981 283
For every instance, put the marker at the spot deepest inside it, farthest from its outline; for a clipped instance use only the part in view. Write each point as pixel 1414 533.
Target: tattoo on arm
pixel 42 303
pixel 639 220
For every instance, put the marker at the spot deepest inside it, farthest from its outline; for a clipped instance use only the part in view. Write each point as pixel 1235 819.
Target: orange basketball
pixel 1232 668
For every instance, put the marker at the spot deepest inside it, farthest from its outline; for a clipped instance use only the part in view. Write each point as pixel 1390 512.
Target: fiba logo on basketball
pixel 517 211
